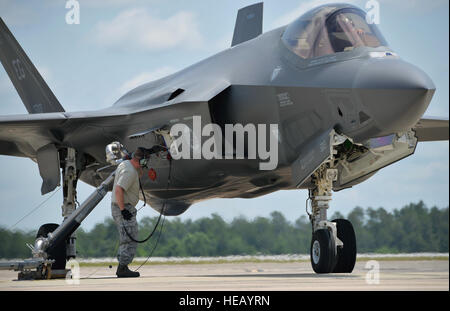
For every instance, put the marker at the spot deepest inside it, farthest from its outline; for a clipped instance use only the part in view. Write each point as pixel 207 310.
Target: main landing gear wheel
pixel 59 252
pixel 346 255
pixel 323 251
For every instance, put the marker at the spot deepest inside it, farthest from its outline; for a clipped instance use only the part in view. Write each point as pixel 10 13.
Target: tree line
pixel 413 228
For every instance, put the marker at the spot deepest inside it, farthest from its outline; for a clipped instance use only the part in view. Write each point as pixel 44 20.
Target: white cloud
pixel 102 4
pixel 145 77
pixel 136 28
pixel 418 6
pixel 109 3
pixel 224 42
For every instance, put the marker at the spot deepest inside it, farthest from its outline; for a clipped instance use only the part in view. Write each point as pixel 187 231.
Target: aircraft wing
pixel 432 129
pixel 23 135
pixel 90 132
pixel 40 136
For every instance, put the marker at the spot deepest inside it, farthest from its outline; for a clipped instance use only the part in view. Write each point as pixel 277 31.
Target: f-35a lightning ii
pixel 344 104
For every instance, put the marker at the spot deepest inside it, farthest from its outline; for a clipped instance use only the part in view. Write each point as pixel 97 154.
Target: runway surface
pixel 298 276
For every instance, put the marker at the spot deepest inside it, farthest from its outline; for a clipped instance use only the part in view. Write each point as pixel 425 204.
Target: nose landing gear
pixel 333 243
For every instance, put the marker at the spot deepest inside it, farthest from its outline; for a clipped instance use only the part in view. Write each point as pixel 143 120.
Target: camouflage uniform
pixel 127 247
pixel 128 179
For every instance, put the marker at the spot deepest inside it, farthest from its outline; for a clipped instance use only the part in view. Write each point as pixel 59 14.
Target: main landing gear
pixel 66 249
pixel 51 263
pixel 333 243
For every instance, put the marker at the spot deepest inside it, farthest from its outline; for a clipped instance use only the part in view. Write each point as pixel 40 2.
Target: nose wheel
pixel 323 251
pixel 346 255
pixel 326 257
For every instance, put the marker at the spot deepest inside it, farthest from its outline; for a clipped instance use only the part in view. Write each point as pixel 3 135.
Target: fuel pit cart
pixel 45 248
pixel 39 267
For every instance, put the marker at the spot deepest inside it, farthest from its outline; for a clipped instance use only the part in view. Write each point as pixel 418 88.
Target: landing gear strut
pixel 70 178
pixel 333 243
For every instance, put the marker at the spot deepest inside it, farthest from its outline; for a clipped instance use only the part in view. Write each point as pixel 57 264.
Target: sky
pixel 120 44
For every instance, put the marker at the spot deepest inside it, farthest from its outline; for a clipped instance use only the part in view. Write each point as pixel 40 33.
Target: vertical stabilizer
pixel 34 92
pixel 248 23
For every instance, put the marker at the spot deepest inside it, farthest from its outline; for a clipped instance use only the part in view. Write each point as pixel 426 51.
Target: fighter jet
pixel 339 103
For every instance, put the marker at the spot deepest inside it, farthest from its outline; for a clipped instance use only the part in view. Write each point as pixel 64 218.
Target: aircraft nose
pixel 394 92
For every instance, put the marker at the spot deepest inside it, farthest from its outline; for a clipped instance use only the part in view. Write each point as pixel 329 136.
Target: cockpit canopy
pixel 331 29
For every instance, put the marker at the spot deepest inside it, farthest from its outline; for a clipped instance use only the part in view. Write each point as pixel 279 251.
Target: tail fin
pixel 34 92
pixel 248 23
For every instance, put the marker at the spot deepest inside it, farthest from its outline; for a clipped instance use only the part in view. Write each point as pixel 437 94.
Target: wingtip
pixel 254 5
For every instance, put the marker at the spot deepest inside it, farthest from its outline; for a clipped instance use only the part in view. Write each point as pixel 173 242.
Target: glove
pixel 126 214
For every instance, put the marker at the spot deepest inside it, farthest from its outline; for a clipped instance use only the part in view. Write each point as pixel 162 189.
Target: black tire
pixel 59 252
pixel 346 256
pixel 322 251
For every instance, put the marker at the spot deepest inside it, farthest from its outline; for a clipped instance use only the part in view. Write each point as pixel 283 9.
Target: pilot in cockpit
pixel 344 34
pixel 328 30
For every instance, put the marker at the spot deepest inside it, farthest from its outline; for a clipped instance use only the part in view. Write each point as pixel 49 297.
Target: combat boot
pixel 124 272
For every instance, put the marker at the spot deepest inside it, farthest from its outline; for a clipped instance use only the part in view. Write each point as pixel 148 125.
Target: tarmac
pixel 391 275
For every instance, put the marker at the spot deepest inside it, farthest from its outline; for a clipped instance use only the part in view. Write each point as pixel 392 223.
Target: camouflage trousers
pixel 127 247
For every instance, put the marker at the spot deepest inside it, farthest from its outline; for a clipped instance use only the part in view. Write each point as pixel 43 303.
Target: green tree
pixel 413 228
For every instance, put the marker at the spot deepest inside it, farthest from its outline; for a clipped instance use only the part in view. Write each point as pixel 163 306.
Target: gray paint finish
pixel 249 23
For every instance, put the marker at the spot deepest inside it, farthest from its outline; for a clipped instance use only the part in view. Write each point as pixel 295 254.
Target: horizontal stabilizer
pixel 248 23
pixel 34 92
pixel 432 129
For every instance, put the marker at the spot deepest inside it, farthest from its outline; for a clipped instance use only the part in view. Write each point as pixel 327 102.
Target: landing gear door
pixel 312 155
pixel 380 152
pixel 48 162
